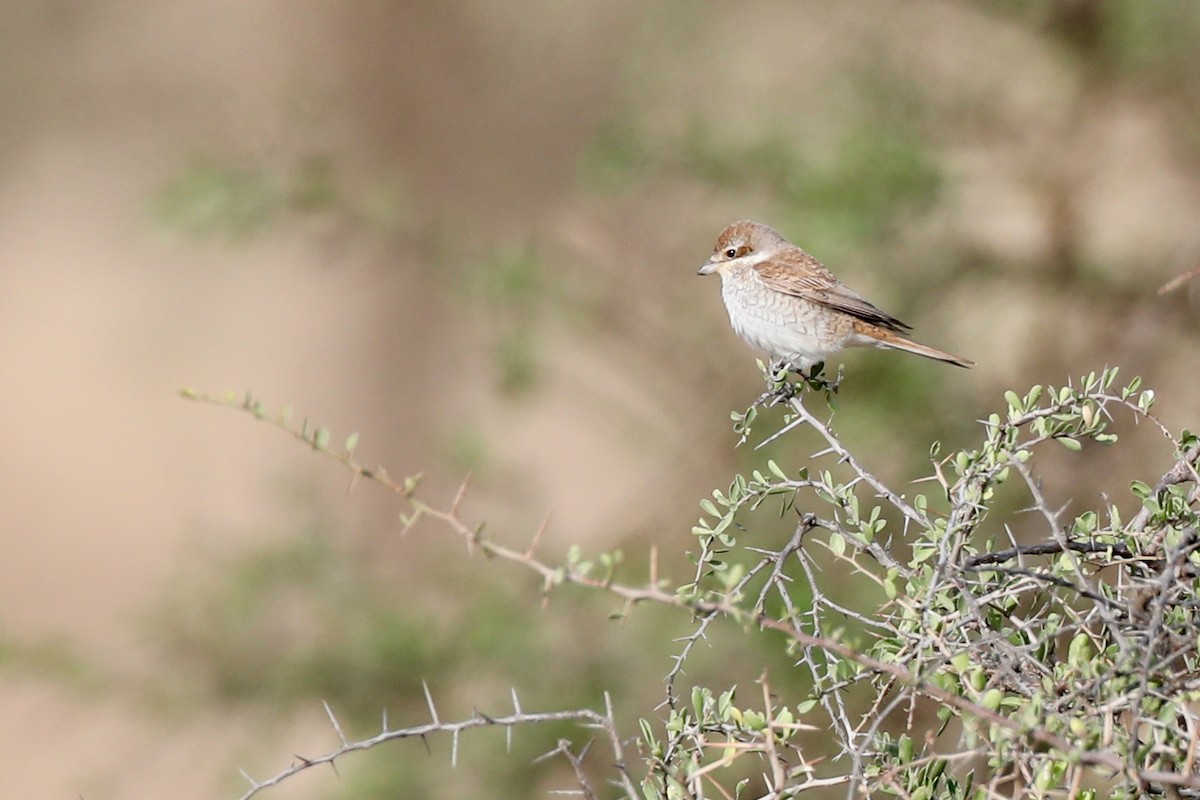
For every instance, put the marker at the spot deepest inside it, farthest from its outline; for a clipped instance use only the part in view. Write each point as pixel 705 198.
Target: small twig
pixel 1178 280
pixel 1182 471
pixel 576 762
pixel 476 720
pixel 1118 549
pixel 835 444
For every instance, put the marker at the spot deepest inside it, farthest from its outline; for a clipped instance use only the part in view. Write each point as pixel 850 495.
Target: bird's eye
pixel 731 252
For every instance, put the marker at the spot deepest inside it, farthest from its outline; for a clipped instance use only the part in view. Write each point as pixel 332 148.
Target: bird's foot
pixel 780 388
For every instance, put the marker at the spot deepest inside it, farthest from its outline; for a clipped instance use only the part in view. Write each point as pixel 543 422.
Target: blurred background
pixel 469 231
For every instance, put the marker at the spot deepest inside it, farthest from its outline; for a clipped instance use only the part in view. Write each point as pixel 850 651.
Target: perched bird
pixel 785 303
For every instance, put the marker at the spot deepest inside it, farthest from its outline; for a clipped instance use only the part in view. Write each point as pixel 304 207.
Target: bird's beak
pixel 707 267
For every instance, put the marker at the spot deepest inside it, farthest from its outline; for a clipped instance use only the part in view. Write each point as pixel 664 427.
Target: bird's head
pixel 741 243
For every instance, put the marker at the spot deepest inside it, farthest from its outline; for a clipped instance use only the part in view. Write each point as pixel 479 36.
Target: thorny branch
pixel 1011 649
pixel 586 717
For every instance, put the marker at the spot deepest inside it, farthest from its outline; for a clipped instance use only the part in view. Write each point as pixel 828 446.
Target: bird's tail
pixel 885 338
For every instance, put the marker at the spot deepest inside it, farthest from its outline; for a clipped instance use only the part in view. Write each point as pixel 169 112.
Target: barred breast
pixel 779 325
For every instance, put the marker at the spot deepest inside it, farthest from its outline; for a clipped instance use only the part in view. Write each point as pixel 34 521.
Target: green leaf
pixel 725 703
pixel 647 733
pixel 351 442
pixel 731 577
pixel 837 543
pixel 699 696
pixel 320 439
pixel 1070 444
pixel 1085 523
pixel 1081 651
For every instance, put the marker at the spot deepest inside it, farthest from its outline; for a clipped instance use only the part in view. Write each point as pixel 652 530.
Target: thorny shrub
pixel 944 658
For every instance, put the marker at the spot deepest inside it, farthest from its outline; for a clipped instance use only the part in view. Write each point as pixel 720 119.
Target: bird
pixel 786 304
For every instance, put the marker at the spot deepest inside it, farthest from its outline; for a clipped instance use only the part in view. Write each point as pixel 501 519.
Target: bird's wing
pixel 796 273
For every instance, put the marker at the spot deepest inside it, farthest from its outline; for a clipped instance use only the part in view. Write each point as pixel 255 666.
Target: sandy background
pixel 457 135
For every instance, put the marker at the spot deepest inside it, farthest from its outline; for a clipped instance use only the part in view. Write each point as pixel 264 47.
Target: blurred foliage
pixel 512 289
pixel 842 198
pixel 1133 38
pixel 57 659
pixel 1149 45
pixel 214 198
pixel 301 620
pixel 465 450
pixel 297 621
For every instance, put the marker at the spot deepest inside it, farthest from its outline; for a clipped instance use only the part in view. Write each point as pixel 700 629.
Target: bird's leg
pixel 779 387
pixel 779 370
